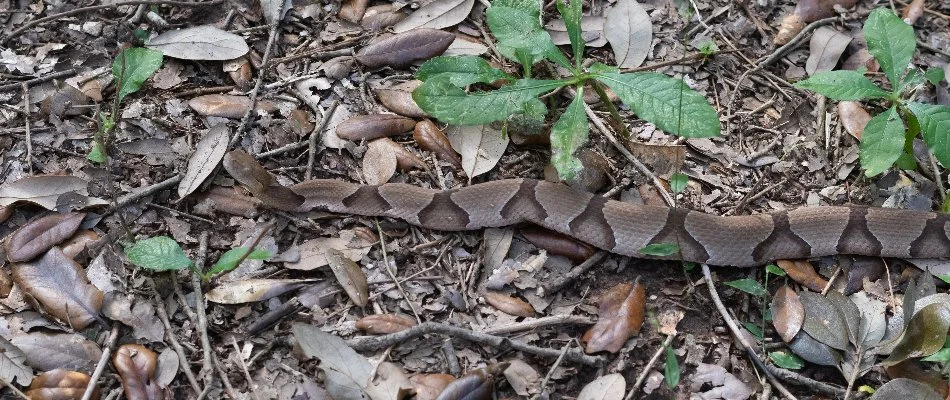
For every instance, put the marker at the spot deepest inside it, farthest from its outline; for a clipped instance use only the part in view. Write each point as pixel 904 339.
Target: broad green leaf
pixel 941 356
pixel 530 7
pixel 891 41
pixel 935 75
pixel 671 372
pixel 450 104
pixel 750 286
pixel 842 85
pixel 775 270
pixel 660 249
pixel 521 37
pixel 601 68
pixel 882 142
pixel 572 22
pixel 754 329
pixel 160 253
pixel 678 182
pixel 935 127
pixel 229 260
pixel 140 64
pixel 924 335
pixel 96 153
pixel 787 360
pixel 567 135
pixel 665 102
pixel 461 70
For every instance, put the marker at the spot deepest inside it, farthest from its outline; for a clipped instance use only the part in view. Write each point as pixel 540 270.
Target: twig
pixel 103 361
pixel 405 296
pixel 81 10
pixel 557 363
pixel 34 81
pixel 798 379
pixel 239 132
pixel 17 391
pixel 128 198
pixel 169 333
pixel 247 374
pixel 206 367
pixel 557 283
pixel 738 335
pixel 373 343
pixel 317 132
pixel 537 323
pixel 26 125
pixel 649 367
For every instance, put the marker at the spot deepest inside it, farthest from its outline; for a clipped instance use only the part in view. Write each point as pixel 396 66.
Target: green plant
pixel 130 69
pixel 666 102
pixel 888 137
pixel 162 253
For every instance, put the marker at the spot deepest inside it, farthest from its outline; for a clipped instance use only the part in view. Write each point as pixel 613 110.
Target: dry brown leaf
pixel 349 275
pixel 405 159
pixel 60 286
pixel 804 273
pixel 912 369
pixel 40 235
pixel 252 290
pixel 398 99
pixel 403 49
pixel 231 201
pixel 914 11
pixel 436 14
pixel 78 242
pixel 239 70
pixel 227 106
pixel 861 58
pixel 45 190
pixel 593 31
pixel 629 30
pixel 260 182
pixel 808 11
pixel 862 269
pixel 481 147
pixel 48 351
pixel 5 213
pixel 825 50
pixel 61 384
pixel 379 162
pixel 591 178
pixel 428 135
pixel 6 283
pixel 374 126
pixel 353 10
pixel 854 117
pixel 208 154
pixel 136 366
pixel 428 386
pixel 788 314
pixel 509 305
pixel 620 312
pixel 381 324
pixel 478 384
pixel 558 243
pixel 522 377
pixel 377 18
pixel 300 122
pixel 66 101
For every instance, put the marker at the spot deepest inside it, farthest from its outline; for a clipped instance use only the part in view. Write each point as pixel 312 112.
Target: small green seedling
pixel 162 253
pixel 666 102
pixel 889 136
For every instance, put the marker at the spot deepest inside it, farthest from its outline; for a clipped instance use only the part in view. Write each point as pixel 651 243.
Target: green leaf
pixel 567 135
pixel 941 356
pixel 934 122
pixel 450 104
pixel 678 182
pixel 572 22
pixel 140 64
pixel 775 270
pixel 97 154
pixel 935 75
pixel 891 41
pixel 671 372
pixel 160 253
pixel 842 85
pixel 755 330
pixel 521 37
pixel 461 71
pixel 660 249
pixel 229 260
pixel 924 336
pixel 882 142
pixel 750 286
pixel 787 360
pixel 665 102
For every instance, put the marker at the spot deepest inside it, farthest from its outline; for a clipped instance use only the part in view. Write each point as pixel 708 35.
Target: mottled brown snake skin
pixel 624 228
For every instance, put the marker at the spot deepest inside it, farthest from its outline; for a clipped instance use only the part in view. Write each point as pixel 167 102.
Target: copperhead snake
pixel 624 228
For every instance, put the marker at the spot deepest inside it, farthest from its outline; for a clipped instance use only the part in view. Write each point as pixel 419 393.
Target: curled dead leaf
pixel 379 162
pixel 60 384
pixel 78 242
pixel 403 49
pixel 807 11
pixel 60 286
pixel 854 117
pixel 509 305
pixel 558 243
pixel 398 99
pixel 40 235
pixel 381 324
pixel 300 122
pixel 227 106
pixel 136 365
pixel 5 213
pixel 428 386
pixel 478 384
pixel 374 126
pixel 405 159
pixel 620 312
pixel 353 10
pixel 803 272
pixel 428 135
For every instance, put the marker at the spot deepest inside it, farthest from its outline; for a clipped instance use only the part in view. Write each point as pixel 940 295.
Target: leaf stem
pixel 615 119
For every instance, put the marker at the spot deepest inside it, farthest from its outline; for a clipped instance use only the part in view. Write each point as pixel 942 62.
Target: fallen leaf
pixel 353 10
pixel 522 377
pixel 428 386
pixel 13 364
pixel 607 387
pixel 48 351
pixel 78 242
pixel 823 321
pixel 313 252
pixel 60 286
pixel 629 30
pixel 509 305
pixel 924 335
pixel 825 50
pixel 260 182
pixel 61 384
pixel 374 126
pixel 813 351
pixel 45 190
pixel 902 388
pixel 803 272
pixel 382 324
pixel 912 369
pixel 437 14
pixel 379 162
pixel 208 154
pixel 854 117
pixel 592 31
pixel 350 276
pixel 379 17
pixel 429 137
pixel 620 315
pixel 403 49
pixel 398 99
pixel 478 384
pixel 913 11
pixel 807 11
pixel 720 383
pixel 480 146
pixel 199 43
pixel 227 106
pixel 788 314
pixel 252 290
pixel 558 243
pixel 38 236
pixel 229 200
pixel 136 366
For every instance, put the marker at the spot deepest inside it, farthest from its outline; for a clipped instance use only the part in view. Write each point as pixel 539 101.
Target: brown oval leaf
pixel 914 11
pixel 558 243
pixel 136 366
pixel 208 153
pixel 405 159
pixel 788 314
pixel 45 190
pixel 381 324
pixel 854 117
pixel 60 384
pixel 300 122
pixel 620 312
pixel 252 290
pixel 227 106
pixel 382 16
pixel 260 182
pixel 231 201
pixel 509 305
pixel 353 10
pixel 78 242
pixel 804 273
pixel 403 49
pixel 428 135
pixel 37 237
pixel 379 162
pixel 60 285
pixel 349 275
pixel 475 385
pixel 398 99
pixel 374 126
pixel 428 386
pixel 5 213
pixel 48 351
